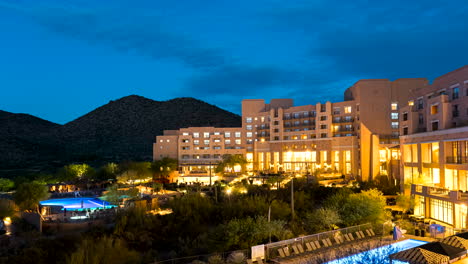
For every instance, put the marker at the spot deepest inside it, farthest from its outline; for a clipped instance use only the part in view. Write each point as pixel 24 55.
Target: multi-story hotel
pixel 434 148
pixel 357 137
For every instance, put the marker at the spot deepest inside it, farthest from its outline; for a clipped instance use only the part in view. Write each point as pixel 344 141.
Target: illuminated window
pixel 248 120
pixel 206 134
pixel 394 106
pixel 249 127
pixel 185 134
pixel 206 141
pixel 238 141
pixel 227 134
pixel 347 109
pixel 262 119
pixel 249 134
pixel 394 125
pixel 227 141
pixel 411 103
pixel 161 140
pixel 196 135
pixel 394 116
pixel 237 134
pixel 434 109
pixel 196 142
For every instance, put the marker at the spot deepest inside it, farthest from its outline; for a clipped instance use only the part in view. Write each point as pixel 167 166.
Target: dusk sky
pixel 61 59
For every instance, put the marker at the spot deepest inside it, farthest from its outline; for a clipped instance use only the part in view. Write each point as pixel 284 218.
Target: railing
pixel 343 120
pixel 344 129
pixel 190 259
pixel 457 160
pixel 271 249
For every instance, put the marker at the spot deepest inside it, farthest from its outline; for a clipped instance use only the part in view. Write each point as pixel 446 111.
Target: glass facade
pixel 442 211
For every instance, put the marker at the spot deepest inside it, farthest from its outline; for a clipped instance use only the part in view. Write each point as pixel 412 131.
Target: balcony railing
pixel 457 160
pixel 343 120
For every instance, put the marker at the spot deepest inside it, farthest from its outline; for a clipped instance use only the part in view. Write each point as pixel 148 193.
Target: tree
pixel 29 194
pixel 104 250
pixel 133 171
pixel 112 194
pixel 7 208
pixel 365 207
pixel 322 219
pixel 74 172
pixel 405 202
pixel 164 167
pixel 108 171
pixel 6 185
pixel 230 161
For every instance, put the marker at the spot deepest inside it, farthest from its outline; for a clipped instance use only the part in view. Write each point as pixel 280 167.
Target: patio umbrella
pixel 397 234
pixel 455 241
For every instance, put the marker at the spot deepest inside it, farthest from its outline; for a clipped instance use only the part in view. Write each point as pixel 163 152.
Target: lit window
pixel 411 103
pixel 196 142
pixel 217 133
pixel 347 109
pixel 237 134
pixel 227 134
pixel 249 127
pixel 394 116
pixel 249 134
pixel 196 135
pixel 394 125
pixel 206 134
pixel 227 141
pixel 185 134
pixel 248 120
pixel 262 119
pixel 434 109
pixel 168 140
pixel 238 141
pixel 394 106
pixel 206 141
pixel 161 140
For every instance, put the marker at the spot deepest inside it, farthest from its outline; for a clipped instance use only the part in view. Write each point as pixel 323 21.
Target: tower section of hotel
pixel 434 147
pixel 281 137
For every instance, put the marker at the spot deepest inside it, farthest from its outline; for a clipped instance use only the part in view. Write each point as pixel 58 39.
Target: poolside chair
pixel 337 240
pixel 347 237
pixel 317 244
pixel 325 243
pixel 362 234
pixel 359 235
pixel 369 234
pixel 329 242
pixel 301 248
pixel 309 246
pixel 351 236
pixel 372 231
pixel 286 251
pixel 296 250
pixel 260 260
pixel 281 252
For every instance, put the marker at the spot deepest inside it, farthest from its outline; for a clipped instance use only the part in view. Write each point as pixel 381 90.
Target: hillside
pixel 124 129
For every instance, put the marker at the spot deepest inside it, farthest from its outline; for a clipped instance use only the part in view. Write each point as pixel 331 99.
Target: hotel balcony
pixel 343 120
pixel 457 160
pixel 439 193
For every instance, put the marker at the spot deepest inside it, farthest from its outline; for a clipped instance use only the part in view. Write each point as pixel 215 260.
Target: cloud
pixel 122 29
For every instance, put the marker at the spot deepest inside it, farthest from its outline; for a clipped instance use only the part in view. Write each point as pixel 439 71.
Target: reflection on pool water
pixel 378 252
pixel 78 204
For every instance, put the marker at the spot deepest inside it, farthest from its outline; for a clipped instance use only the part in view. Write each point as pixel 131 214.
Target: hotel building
pixel 434 148
pixel 357 137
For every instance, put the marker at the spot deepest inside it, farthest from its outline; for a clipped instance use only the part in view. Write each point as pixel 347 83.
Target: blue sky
pixel 60 59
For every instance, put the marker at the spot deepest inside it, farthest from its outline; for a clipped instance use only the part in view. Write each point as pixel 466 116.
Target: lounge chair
pixel 359 235
pixel 296 250
pixel 369 234
pixel 281 252
pixel 362 234
pixel 351 236
pixel 338 240
pixel 286 251
pixel 309 246
pixel 372 231
pixel 301 248
pixel 325 243
pixel 347 237
pixel 329 242
pixel 260 260
pixel 317 244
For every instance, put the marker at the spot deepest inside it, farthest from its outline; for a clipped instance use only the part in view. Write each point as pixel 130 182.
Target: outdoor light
pixel 228 191
pixel 7 220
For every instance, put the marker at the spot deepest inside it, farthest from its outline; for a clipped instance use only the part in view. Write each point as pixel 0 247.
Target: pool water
pixel 78 204
pixel 379 253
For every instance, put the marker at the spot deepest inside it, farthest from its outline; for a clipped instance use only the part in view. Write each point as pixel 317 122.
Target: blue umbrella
pixel 397 234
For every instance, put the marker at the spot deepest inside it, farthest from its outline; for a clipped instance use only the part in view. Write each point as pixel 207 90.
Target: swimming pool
pixel 78 204
pixel 379 253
